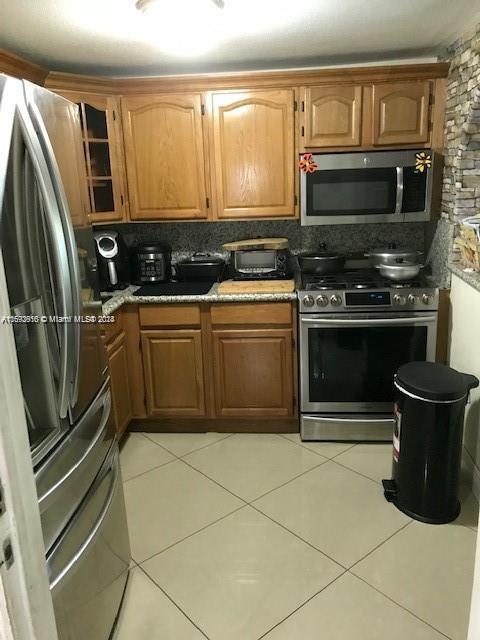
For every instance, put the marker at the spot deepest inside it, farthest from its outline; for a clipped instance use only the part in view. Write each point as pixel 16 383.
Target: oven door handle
pixel 387 420
pixel 371 322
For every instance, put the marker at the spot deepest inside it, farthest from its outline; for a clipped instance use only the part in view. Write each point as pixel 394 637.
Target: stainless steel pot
pixel 393 256
pixel 400 272
pixel 321 263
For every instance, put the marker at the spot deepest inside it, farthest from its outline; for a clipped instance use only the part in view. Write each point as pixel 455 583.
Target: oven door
pixel 348 361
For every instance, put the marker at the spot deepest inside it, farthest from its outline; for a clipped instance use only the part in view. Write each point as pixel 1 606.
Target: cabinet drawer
pixel 255 313
pixel 186 315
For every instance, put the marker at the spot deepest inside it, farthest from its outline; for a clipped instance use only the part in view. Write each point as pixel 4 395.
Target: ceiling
pixel 108 36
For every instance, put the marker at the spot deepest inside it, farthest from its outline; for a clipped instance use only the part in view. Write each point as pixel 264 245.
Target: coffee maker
pixel 112 260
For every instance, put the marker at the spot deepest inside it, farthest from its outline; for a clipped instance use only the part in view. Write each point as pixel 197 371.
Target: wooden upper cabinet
pixel 401 112
pixel 253 160
pixel 333 116
pixel 103 151
pixel 164 144
pixel 173 369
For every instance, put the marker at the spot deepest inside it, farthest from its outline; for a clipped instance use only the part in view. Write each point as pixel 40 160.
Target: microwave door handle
pixel 59 254
pixel 399 201
pixel 369 322
pixel 112 272
pixel 74 266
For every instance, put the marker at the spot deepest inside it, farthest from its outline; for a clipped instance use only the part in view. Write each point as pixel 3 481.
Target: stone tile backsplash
pixel 187 237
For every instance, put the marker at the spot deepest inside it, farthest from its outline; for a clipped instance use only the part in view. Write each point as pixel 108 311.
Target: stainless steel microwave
pixel 379 186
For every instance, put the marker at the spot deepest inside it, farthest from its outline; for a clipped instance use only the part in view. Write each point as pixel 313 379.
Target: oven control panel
pixel 368 299
pixel 334 301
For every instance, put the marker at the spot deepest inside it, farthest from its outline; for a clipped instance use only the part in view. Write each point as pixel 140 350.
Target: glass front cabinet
pixel 102 146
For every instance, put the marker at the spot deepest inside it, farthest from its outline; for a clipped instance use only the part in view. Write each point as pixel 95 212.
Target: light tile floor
pixel 242 537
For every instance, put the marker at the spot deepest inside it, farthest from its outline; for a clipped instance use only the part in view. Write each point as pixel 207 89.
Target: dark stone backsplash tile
pixel 187 237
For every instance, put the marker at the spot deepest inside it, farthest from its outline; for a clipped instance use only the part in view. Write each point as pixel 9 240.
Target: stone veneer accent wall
pixel 461 181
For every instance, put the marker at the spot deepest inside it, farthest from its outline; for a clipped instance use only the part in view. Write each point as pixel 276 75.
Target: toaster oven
pixel 259 264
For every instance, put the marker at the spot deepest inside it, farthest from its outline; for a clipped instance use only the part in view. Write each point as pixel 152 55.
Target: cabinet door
pixel 333 116
pixel 253 372
pixel 103 150
pixel 120 384
pixel 254 153
pixel 165 157
pixel 400 112
pixel 173 366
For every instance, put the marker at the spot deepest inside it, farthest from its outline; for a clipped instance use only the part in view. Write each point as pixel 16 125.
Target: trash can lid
pixel 434 381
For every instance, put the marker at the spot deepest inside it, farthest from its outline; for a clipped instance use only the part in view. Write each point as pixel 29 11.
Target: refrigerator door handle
pixel 60 256
pixel 75 280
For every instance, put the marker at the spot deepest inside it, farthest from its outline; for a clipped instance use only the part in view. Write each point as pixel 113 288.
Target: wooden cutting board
pixel 256 286
pixel 257 243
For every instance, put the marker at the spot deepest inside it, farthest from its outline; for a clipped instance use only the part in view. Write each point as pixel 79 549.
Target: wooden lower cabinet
pixel 119 381
pixel 223 366
pixel 253 372
pixel 173 369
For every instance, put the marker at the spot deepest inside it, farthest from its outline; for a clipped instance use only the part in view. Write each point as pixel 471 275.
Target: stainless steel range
pixel 356 329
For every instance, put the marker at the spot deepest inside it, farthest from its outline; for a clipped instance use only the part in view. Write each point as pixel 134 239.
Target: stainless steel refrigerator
pixel 51 273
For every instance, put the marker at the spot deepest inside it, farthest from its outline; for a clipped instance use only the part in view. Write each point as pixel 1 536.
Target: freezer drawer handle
pixel 107 405
pixel 98 524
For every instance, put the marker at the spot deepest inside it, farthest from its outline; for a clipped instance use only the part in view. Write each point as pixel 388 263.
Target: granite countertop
pixel 126 296
pixel 470 277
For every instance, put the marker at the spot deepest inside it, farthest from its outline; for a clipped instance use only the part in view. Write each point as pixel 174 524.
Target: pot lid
pixel 406 264
pixel 393 252
pixel 434 381
pixel 202 259
pixel 152 247
pixel 321 255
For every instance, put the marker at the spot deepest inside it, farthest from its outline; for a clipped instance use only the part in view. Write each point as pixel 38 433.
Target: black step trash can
pixel 430 403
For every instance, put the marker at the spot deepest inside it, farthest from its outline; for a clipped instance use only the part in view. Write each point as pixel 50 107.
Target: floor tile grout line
pixel 280 486
pixel 214 481
pixel 146 470
pixel 205 446
pixel 190 535
pixel 297 444
pixel 172 601
pixel 178 459
pixel 302 605
pixel 359 473
pixel 304 446
pixel 381 544
pixel 345 451
pixel 299 537
pixel 385 595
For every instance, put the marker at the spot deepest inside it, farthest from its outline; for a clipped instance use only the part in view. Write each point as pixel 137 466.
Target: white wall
pixel 465 356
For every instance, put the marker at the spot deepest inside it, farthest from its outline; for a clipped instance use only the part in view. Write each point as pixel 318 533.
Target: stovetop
pixel 362 289
pixel 358 279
